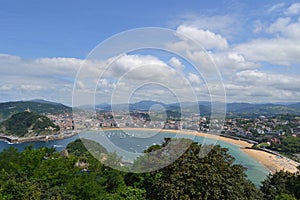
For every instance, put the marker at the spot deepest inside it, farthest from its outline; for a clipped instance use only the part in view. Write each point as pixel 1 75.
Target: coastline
pixel 17 140
pixel 270 161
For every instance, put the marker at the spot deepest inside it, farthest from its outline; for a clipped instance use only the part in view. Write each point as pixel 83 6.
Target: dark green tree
pixel 281 183
pixel 195 176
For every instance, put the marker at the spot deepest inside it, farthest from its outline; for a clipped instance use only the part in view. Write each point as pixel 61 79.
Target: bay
pixel 256 172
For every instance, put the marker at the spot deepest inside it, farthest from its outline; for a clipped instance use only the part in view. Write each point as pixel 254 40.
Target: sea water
pixel 129 141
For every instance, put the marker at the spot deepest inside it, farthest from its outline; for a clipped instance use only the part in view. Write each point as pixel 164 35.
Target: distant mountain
pixel 142 105
pixel 145 105
pixel 247 109
pixel 28 124
pixel 39 106
pixel 44 101
pixel 295 106
pixel 236 109
pixel 239 107
pixel 185 107
pixel 233 109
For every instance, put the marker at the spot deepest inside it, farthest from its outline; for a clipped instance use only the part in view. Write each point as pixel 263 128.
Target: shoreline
pixel 270 161
pixel 17 140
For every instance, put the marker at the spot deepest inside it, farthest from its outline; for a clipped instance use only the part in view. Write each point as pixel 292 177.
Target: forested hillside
pixel 28 124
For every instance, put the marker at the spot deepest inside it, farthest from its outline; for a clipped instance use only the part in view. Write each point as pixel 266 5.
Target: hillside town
pixel 262 128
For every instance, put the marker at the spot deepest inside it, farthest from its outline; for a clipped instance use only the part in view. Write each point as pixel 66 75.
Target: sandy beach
pixel 272 162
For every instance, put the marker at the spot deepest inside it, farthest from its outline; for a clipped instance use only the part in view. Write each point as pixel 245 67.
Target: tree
pixel 193 176
pixel 281 183
pixel 285 197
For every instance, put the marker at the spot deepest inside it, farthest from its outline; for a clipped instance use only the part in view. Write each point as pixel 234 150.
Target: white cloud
pixel 282 45
pixel 258 26
pixel 126 63
pixel 293 9
pixel 206 38
pixel 14 65
pixel 276 51
pixel 276 7
pixel 276 81
pixel 52 78
pixel 230 62
pixel 276 42
pixel 279 25
pixel 5 87
pixel 47 78
pixel 80 84
pixel 31 87
pixel 175 62
pixel 258 86
pixel 194 78
pixel 128 73
pixel 225 24
pixel 219 58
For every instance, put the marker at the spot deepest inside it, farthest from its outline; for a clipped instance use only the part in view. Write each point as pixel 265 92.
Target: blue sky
pixel 33 29
pixel 43 43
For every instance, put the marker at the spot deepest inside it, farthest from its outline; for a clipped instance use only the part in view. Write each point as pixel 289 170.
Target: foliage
pixel 289 145
pixel 46 174
pixel 193 176
pixel 20 124
pixel 39 106
pixel 79 147
pixel 201 172
pixel 282 185
pixel 285 197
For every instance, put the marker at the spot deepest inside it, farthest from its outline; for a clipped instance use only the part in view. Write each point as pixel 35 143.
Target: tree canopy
pixel 201 172
pixel 28 123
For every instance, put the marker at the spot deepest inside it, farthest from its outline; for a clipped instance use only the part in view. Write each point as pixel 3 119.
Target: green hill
pixel 255 110
pixel 26 124
pixel 38 106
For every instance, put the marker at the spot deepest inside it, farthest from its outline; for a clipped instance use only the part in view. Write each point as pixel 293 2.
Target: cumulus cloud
pixel 278 50
pixel 229 62
pixel 194 78
pixel 206 38
pixel 175 62
pixel 279 25
pixel 127 74
pixel 126 63
pixel 48 78
pixel 31 87
pixel 14 65
pixel 240 65
pixel 228 25
pixel 282 46
pixel 293 9
pixel 258 86
pixel 279 81
pixel 220 58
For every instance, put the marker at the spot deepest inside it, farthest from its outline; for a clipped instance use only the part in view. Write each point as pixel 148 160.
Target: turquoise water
pixel 134 143
pixel 256 172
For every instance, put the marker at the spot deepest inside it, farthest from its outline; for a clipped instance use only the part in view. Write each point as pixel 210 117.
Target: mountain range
pixel 233 109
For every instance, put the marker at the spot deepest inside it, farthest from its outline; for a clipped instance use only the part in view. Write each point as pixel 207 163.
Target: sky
pixel 253 48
